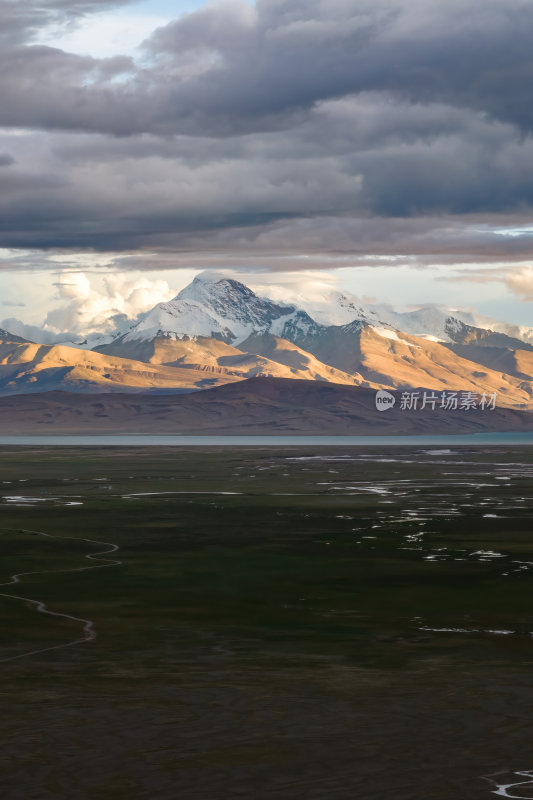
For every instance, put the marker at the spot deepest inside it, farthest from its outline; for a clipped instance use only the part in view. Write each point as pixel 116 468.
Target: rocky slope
pixel 216 356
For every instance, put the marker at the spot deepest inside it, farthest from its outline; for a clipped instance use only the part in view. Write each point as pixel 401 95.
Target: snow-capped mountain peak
pixel 333 308
pixel 221 308
pixel 427 320
pixel 210 289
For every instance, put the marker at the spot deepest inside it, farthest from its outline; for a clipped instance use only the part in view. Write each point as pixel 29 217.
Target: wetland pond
pixel 293 622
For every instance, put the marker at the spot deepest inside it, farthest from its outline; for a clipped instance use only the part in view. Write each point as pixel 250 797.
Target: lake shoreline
pixel 520 439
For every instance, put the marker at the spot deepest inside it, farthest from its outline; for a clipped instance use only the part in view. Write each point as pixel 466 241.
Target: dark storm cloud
pixel 290 55
pixel 231 68
pixel 343 127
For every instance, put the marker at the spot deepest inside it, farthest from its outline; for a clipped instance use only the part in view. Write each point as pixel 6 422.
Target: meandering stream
pixel 89 633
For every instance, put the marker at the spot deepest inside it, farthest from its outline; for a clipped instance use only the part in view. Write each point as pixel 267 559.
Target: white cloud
pixel 292 287
pixel 87 310
pixel 520 282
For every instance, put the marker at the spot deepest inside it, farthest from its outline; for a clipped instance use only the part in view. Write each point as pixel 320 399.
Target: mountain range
pixel 218 331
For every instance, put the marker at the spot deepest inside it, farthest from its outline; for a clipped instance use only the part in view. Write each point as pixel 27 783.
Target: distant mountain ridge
pixel 6 336
pixel 426 320
pixel 267 406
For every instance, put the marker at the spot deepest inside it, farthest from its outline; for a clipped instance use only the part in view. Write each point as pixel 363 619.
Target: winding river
pixel 88 631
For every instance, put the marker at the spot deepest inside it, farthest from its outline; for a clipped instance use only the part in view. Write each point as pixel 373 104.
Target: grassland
pixel 290 623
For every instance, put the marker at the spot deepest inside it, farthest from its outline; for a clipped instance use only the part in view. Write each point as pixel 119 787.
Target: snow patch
pixel 388 333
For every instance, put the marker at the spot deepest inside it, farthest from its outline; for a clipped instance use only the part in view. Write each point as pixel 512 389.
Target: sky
pixel 382 145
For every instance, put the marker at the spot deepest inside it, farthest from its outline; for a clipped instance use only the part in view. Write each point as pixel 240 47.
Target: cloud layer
pixel 520 281
pixel 288 128
pixel 82 309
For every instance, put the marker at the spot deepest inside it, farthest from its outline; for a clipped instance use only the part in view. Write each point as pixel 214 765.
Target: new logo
pixel 384 400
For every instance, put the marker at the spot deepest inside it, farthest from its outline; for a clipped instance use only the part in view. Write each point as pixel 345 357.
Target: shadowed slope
pixel 258 405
